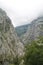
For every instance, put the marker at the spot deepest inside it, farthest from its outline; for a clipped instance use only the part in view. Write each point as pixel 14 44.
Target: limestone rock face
pixel 10 44
pixel 35 29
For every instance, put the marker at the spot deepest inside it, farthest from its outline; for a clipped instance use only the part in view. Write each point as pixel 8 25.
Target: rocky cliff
pixel 10 45
pixel 35 30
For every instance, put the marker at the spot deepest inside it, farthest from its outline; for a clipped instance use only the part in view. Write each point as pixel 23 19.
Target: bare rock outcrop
pixel 35 30
pixel 10 44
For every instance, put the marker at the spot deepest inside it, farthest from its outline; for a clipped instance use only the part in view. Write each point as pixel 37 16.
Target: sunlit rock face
pixel 35 30
pixel 10 45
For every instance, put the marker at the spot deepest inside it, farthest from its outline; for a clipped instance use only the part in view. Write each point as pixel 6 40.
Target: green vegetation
pixel 34 52
pixel 11 64
pixel 0 64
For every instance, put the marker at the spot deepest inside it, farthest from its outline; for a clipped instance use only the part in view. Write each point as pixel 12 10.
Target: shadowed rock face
pixel 35 29
pixel 10 44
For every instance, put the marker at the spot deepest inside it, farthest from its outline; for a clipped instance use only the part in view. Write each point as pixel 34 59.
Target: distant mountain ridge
pixel 20 30
pixel 35 30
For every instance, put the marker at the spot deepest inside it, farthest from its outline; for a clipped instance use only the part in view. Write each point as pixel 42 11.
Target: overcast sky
pixel 22 11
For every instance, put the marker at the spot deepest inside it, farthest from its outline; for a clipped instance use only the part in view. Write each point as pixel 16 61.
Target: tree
pixel 34 53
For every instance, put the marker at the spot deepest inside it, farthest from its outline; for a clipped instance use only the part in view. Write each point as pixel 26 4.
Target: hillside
pixel 21 29
pixel 10 45
pixel 35 30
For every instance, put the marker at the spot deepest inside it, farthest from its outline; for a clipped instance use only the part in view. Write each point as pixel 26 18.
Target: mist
pixel 22 11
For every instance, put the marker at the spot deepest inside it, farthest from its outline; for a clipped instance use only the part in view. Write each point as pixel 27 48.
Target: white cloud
pixel 22 11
